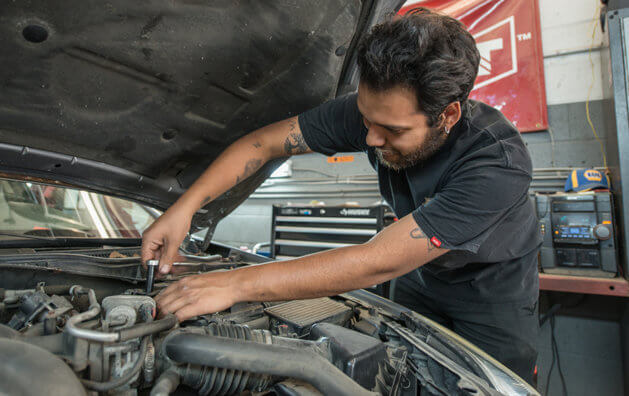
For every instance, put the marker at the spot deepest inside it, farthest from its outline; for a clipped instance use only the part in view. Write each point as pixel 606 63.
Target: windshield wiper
pixel 32 241
pixel 16 235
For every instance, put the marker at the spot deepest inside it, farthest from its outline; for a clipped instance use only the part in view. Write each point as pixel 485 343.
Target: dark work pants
pixel 507 332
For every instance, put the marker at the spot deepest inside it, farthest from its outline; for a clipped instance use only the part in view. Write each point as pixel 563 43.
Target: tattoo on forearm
pixel 206 201
pixel 257 145
pixel 294 143
pixel 417 233
pixel 250 168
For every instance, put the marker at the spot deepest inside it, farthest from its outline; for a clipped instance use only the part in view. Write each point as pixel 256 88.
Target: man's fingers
pixel 145 252
pixel 189 311
pixel 174 305
pixel 149 251
pixel 168 256
pixel 168 293
pixel 171 293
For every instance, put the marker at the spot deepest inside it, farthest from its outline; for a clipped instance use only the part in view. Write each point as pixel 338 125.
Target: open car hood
pixel 135 99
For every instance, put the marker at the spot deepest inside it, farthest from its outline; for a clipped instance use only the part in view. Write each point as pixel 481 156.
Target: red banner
pixel 511 73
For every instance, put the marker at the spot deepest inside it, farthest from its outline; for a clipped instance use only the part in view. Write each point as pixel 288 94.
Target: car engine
pixel 63 339
pixel 80 322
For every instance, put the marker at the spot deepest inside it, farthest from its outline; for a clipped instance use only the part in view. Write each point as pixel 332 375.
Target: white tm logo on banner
pixel 485 48
pixel 489 48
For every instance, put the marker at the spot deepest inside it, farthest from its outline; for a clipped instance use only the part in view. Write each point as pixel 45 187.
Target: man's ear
pixel 451 115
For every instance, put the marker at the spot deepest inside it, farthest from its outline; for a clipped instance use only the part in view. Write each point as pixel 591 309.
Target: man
pixel 456 173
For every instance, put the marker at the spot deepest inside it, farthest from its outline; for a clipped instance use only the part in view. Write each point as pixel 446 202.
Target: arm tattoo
pixel 250 168
pixel 206 201
pixel 417 233
pixel 294 143
pixel 257 145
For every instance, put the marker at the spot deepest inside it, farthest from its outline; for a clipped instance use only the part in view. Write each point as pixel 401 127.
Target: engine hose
pixel 166 383
pixel 93 311
pixel 57 289
pixel 218 381
pixel 128 376
pixel 139 330
pixel 167 322
pixel 253 357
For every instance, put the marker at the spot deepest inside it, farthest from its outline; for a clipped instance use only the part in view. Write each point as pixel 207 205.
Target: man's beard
pixel 434 140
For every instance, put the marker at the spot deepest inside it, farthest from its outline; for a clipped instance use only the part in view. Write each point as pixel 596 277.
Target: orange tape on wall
pixel 344 158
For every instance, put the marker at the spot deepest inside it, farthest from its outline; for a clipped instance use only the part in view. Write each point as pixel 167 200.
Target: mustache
pixel 386 150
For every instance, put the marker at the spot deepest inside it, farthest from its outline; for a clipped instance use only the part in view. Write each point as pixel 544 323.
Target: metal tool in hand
pixel 150 274
pixel 151 266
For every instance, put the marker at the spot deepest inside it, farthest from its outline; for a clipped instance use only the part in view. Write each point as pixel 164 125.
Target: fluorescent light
pixel 284 170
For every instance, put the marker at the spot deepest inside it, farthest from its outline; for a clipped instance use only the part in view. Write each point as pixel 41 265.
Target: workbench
pixel 580 284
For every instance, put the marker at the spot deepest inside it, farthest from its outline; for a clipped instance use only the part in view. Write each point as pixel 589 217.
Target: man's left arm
pixel 396 250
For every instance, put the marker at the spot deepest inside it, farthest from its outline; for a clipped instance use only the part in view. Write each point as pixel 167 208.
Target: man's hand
pixel 162 239
pixel 198 294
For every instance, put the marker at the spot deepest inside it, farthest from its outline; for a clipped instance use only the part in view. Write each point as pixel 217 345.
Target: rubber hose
pixel 166 383
pixel 57 289
pixel 258 358
pixel 113 384
pixel 167 322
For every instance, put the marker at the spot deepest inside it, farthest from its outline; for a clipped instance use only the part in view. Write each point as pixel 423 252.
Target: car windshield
pixel 34 209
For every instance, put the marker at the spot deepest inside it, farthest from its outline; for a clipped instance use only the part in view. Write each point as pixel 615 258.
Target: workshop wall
pixel 574 50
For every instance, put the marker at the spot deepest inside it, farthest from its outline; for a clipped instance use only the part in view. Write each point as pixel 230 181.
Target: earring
pixel 447 130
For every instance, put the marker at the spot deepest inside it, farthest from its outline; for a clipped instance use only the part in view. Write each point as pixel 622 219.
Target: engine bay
pixel 62 332
pixel 116 344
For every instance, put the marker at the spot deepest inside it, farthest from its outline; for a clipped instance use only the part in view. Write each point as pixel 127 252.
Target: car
pixel 109 111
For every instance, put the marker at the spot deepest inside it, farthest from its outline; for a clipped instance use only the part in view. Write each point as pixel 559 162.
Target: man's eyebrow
pixel 394 127
pixel 391 127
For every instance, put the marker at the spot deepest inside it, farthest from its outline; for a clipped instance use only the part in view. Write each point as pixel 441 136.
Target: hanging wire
pixel 587 102
pixel 552 147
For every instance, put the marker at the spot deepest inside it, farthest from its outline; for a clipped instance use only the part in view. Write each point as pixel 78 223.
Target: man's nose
pixel 375 138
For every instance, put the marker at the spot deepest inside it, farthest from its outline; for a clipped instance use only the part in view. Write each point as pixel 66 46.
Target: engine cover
pixel 26 369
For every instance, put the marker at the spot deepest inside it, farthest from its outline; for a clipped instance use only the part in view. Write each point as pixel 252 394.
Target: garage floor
pixel 589 341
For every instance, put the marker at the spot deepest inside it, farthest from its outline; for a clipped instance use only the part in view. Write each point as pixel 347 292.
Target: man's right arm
pixel 239 161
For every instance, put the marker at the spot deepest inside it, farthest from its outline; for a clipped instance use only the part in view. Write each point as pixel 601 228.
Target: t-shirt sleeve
pixel 472 205
pixel 334 126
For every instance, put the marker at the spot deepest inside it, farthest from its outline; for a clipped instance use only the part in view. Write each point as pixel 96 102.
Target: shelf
pixel 581 284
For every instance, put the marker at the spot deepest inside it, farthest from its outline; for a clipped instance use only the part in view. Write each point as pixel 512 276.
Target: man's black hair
pixel 430 53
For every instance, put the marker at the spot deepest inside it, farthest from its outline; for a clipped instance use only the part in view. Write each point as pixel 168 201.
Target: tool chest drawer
pixel 300 230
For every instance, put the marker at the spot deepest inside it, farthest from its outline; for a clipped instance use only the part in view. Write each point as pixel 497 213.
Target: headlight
pixel 504 380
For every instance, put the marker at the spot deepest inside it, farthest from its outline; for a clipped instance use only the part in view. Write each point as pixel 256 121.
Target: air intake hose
pixel 215 380
pixel 243 352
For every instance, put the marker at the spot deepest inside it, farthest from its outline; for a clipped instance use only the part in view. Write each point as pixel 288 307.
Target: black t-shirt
pixel 472 195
